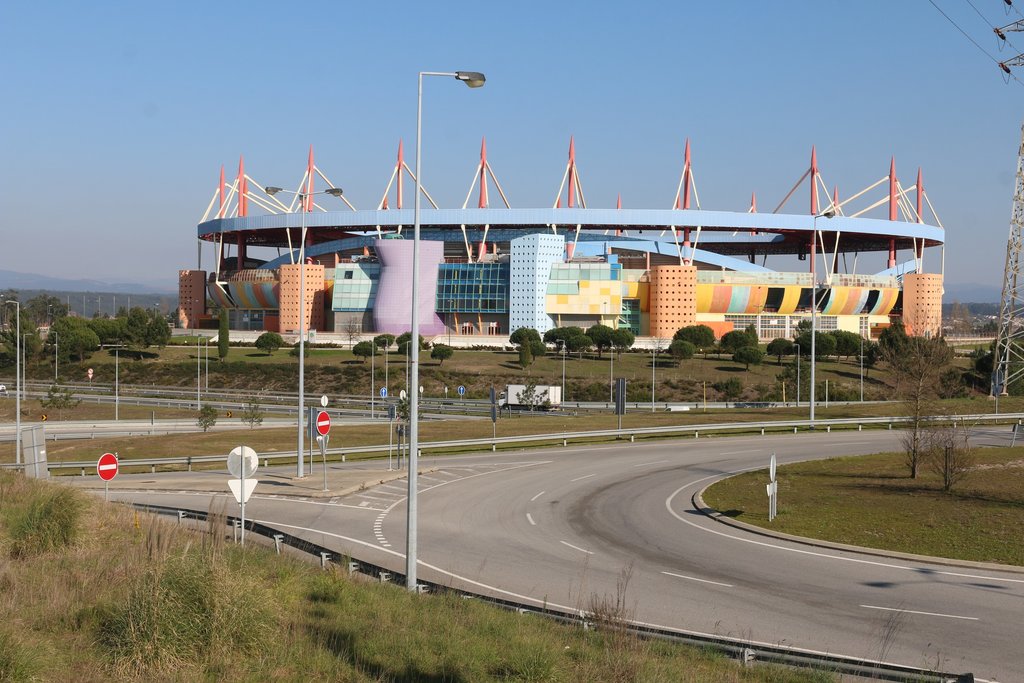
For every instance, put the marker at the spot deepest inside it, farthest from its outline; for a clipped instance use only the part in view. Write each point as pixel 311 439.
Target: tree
pixel 158 332
pixel 701 336
pixel 59 399
pixel 353 328
pixel 949 453
pixel 44 309
pixel 404 339
pixel 780 347
pixel 893 339
pixel 136 327
pixel 364 350
pixel 384 341
pixel 601 335
pixel 109 330
pixel 682 350
pixel 556 334
pixel 223 334
pixel 622 339
pixel 268 342
pixel 441 353
pixel 579 343
pixel 252 414
pixel 531 397
pixel 748 355
pixel 734 341
pixel 294 351
pixel 75 338
pixel 847 343
pixel 525 356
pixel 915 367
pixel 824 344
pixel 872 354
pixel 207 417
pixel 524 335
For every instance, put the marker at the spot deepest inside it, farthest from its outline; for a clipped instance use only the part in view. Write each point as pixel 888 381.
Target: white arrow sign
pixel 242 495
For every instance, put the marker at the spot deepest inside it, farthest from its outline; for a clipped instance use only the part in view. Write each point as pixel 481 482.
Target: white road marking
pixel 530 519
pixel 385 500
pixel 543 602
pixel 927 614
pixel 742 452
pixel 366 502
pixel 576 547
pixel 855 560
pixel 645 464
pixel 537 496
pixel 585 476
pixel 694 578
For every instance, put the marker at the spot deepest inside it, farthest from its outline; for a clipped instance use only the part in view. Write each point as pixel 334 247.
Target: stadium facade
pixel 487 270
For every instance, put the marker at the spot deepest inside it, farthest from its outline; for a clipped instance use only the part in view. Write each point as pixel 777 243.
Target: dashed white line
pixel 576 547
pixel 530 519
pixel 537 496
pixel 927 614
pixel 694 578
pixel 645 464
pixel 585 476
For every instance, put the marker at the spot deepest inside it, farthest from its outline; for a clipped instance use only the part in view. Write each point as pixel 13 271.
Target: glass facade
pixel 472 288
pixel 355 287
pixel 629 316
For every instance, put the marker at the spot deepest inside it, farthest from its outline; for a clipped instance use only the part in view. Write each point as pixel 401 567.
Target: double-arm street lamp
pixel 303 196
pixel 474 80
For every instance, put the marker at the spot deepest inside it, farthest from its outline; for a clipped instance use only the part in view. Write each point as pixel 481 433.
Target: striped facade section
pixel 886 300
pixel 255 295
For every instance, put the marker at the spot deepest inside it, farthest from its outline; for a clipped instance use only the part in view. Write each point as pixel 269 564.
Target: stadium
pixel 488 268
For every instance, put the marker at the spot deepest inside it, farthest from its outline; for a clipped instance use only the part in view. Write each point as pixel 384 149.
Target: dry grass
pixel 138 599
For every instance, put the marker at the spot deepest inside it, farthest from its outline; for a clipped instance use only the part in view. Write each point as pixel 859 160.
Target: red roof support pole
pixel 892 210
pixel 572 172
pixel 687 181
pixel 483 201
pixel 618 206
pixel 243 210
pixel 399 165
pixel 309 182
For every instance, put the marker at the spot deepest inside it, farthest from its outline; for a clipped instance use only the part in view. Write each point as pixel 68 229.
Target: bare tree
pixel 353 328
pixel 949 452
pixel 915 368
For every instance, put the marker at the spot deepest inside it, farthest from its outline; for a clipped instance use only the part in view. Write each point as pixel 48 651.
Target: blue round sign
pixel 383 392
pixel 461 390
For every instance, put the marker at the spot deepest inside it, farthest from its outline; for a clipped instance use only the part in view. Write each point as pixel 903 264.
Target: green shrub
pixel 49 520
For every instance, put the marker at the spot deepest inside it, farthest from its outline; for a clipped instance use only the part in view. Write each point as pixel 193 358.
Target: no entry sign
pixel 106 466
pixel 323 423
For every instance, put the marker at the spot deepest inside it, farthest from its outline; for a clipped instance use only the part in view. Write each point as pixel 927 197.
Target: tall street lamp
pixel 814 306
pixel 797 374
pixel 17 378
pixel 56 342
pixel 303 196
pixel 474 80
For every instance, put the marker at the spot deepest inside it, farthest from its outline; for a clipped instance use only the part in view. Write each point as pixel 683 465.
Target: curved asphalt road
pixel 563 526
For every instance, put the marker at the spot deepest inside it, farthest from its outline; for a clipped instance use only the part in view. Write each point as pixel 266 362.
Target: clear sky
pixel 118 115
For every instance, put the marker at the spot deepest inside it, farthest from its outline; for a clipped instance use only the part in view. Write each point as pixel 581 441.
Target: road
pixel 567 526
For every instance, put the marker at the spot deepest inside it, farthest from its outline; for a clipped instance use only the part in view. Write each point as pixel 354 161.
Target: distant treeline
pixel 88 304
pixel 972 308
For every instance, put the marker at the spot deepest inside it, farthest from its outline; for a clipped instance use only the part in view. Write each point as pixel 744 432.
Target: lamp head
pixel 827 214
pixel 474 79
pixel 271 190
pixel 334 191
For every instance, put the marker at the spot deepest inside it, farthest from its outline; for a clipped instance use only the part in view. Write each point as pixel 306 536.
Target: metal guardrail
pixel 744 651
pixel 564 438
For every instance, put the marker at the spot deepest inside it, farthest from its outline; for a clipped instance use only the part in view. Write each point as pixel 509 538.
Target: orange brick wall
pixel 289 303
pixel 922 304
pixel 673 299
pixel 191 297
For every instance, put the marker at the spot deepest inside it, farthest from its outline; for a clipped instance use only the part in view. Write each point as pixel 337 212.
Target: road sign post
pixel 392 413
pixel 322 439
pixel 242 464
pixel 323 423
pixel 773 490
pixel 620 399
pixel 462 392
pixel 106 468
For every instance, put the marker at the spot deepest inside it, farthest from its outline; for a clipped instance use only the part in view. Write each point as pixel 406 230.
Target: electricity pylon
pixel 1008 361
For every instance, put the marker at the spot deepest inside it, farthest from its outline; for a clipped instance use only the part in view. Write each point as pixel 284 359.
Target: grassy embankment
pixel 337 371
pixel 274 439
pixel 89 592
pixel 871 501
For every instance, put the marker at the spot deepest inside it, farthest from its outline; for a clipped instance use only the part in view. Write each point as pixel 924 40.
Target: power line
pixel 995 29
pixel 975 43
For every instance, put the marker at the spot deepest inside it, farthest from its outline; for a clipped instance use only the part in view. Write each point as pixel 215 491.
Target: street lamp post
pixel 17 378
pixel 862 369
pixel 199 374
pixel 117 383
pixel 473 80
pixel 797 374
pixel 814 306
pixel 303 196
pixel 56 342
pixel 451 311
pixel 654 364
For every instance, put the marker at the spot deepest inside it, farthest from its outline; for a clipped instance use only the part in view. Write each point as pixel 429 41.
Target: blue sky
pixel 119 115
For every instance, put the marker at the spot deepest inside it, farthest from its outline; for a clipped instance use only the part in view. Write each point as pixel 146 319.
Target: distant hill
pixel 971 292
pixel 10 279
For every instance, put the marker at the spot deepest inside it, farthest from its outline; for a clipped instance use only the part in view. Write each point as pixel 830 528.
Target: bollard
pixel 384 577
pixel 265 461
pixel 422 588
pixel 181 516
pixel 494 448
pixel 83 471
pixel 323 559
pixel 152 469
pixel 890 426
pixel 189 461
pixel 828 429
pixel 794 430
pixel 353 567
pixel 860 428
pixel 632 438
pixel 696 435
pixel 235 526
pixel 278 538
pixel 565 442
pixel 762 431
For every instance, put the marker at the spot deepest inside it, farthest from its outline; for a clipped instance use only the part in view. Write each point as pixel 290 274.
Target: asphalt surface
pixel 569 526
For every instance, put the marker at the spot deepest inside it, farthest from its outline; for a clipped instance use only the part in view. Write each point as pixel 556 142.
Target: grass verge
pixel 871 501
pixel 139 599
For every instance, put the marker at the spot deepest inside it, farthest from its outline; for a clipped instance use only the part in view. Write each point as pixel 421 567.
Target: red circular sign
pixel 323 423
pixel 106 466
